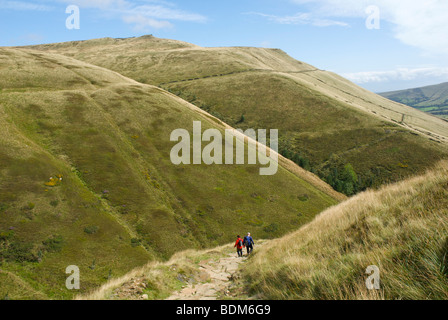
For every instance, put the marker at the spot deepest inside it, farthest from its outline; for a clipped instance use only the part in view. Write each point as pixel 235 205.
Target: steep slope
pixel 86 178
pixel 431 99
pixel 402 229
pixel 352 138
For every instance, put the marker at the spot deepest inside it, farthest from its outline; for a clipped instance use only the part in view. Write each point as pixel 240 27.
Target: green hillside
pixel 350 137
pixel 402 229
pixel 86 179
pixel 431 99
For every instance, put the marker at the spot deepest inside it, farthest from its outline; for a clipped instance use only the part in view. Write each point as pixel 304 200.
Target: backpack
pixel 240 243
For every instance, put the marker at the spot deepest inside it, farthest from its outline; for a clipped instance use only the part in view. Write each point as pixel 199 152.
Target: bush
pixel 54 203
pixel 344 179
pixel 273 227
pixel 91 229
pixel 242 119
pixel 30 206
pixel 135 242
pixel 19 252
pixel 53 244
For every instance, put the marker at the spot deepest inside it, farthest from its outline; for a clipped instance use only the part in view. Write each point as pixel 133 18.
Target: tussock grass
pixel 401 228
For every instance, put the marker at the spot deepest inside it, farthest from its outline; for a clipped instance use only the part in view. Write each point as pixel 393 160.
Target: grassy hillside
pixel 350 137
pixel 401 228
pixel 86 179
pixel 431 99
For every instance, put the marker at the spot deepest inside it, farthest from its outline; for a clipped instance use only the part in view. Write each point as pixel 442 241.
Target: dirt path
pixel 218 280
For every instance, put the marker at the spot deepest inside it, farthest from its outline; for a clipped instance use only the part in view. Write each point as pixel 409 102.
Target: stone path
pixel 216 280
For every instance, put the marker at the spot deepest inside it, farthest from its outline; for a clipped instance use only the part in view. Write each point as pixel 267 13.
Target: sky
pixel 381 45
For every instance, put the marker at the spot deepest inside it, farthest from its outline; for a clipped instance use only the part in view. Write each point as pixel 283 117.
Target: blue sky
pixel 409 49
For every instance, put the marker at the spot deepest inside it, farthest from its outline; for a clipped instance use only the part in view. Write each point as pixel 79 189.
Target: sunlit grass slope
pixel 86 179
pixel 325 122
pixel 401 228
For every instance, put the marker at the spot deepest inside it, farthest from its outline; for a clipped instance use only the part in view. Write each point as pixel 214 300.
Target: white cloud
pixel 143 14
pixel 399 74
pixel 101 4
pixel 19 5
pixel 300 18
pixel 265 44
pixel 161 12
pixel 419 23
pixel 143 23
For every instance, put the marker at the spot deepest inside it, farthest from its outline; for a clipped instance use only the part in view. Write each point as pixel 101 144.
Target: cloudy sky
pixel 381 45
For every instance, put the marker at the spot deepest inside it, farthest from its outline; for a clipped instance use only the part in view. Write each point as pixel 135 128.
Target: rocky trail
pixel 219 279
pixel 213 274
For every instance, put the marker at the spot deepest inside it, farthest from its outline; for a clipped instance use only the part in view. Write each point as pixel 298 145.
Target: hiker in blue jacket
pixel 249 243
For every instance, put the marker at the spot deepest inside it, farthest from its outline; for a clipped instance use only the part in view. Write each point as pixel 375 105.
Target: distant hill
pixel 430 99
pixel 86 179
pixel 352 138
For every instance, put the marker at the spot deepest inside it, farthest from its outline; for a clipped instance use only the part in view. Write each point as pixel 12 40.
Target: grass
pixel 107 136
pixel 86 178
pixel 317 127
pixel 160 279
pixel 400 228
pixel 321 117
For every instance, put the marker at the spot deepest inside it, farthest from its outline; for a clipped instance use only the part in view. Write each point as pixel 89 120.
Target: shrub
pixel 91 229
pixel 135 242
pixel 19 252
pixel 30 206
pixel 53 244
pixel 54 203
pixel 242 119
pixel 273 227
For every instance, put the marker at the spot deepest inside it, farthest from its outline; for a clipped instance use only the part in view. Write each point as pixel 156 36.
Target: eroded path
pixel 218 280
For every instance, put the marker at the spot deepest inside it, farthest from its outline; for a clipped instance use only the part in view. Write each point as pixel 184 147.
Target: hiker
pixel 239 246
pixel 249 243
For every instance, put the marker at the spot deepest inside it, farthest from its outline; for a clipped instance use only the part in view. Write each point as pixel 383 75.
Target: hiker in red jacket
pixel 239 246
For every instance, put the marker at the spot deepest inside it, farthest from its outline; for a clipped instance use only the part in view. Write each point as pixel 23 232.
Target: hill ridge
pixel 117 202
pixel 432 99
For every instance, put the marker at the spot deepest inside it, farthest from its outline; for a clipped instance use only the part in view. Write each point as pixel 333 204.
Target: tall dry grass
pixel 401 228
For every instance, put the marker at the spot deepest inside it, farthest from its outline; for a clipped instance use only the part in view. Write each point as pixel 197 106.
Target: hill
pixel 348 136
pixel 431 99
pixel 401 229
pixel 86 179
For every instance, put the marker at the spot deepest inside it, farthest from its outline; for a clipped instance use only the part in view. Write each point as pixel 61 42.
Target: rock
pixel 145 297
